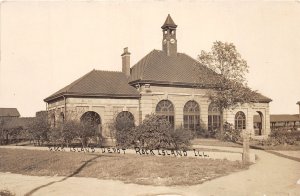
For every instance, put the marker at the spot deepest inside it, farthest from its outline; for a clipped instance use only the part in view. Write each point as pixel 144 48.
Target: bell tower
pixel 169 42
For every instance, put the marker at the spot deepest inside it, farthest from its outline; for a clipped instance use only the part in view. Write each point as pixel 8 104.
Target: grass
pixel 284 147
pixel 129 168
pixel 214 142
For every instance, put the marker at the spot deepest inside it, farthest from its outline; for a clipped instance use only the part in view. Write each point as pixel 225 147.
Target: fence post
pixel 246 148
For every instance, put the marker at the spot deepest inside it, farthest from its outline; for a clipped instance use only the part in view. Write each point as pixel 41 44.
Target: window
pixel 61 118
pixel 191 116
pixel 214 117
pixel 124 120
pixel 240 121
pixel 166 108
pixel 91 118
pixel 53 121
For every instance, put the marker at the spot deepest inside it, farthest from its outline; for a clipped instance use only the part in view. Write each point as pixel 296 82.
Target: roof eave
pixel 168 83
pixel 131 96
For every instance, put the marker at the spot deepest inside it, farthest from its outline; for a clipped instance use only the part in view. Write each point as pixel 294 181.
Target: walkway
pixel 271 175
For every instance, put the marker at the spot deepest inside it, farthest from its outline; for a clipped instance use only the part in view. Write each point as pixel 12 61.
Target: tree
pixel 39 130
pixel 230 85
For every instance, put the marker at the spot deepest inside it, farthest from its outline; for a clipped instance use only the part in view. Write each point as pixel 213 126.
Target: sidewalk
pixel 271 175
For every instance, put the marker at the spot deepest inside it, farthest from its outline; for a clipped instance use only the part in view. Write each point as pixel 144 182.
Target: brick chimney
pixel 126 62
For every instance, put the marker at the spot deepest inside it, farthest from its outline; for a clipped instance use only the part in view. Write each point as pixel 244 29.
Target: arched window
pixel 91 118
pixel 166 108
pixel 124 121
pixel 53 120
pixel 191 116
pixel 214 117
pixel 240 121
pixel 62 118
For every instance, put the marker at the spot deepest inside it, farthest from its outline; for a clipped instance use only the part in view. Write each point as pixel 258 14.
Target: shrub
pixel 85 133
pixel 154 132
pixel 282 136
pixel 229 133
pixel 124 131
pixel 180 138
pixel 205 133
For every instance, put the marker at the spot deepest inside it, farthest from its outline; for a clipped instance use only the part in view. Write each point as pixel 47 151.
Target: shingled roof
pixel 98 84
pixel 9 112
pixel 169 22
pixel 180 69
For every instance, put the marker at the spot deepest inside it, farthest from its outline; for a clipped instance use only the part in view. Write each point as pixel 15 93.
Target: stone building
pixel 163 82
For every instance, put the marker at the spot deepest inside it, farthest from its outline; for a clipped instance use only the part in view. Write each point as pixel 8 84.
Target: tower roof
pixel 169 23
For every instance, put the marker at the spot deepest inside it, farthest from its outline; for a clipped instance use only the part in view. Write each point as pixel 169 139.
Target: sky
pixel 45 45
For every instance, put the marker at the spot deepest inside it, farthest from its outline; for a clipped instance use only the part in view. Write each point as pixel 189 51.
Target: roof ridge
pixel 108 71
pixel 78 80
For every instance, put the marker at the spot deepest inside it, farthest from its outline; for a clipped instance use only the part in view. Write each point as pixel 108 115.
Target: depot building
pixel 163 82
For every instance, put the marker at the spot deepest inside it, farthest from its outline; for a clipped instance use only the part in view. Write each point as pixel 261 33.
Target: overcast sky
pixel 47 45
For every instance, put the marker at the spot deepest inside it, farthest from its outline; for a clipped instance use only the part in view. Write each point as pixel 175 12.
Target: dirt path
pixel 271 175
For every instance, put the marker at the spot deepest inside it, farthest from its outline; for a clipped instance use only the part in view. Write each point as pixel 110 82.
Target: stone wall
pixel 250 110
pixel 107 109
pixel 151 96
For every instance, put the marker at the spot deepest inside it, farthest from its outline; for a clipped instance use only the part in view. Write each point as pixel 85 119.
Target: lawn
pixel 214 142
pixel 285 147
pixel 129 168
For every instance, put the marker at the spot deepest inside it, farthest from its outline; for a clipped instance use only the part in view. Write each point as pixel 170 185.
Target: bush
pixel 85 133
pixel 205 133
pixel 282 136
pixel 153 133
pixel 124 131
pixel 181 138
pixel 229 133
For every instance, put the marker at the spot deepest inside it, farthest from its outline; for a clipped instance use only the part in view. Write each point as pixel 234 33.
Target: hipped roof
pixel 98 84
pixel 156 68
pixel 177 69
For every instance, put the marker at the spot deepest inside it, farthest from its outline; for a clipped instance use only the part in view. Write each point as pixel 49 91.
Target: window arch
pixel 214 117
pixel 61 118
pixel 91 118
pixel 124 120
pixel 240 121
pixel 191 116
pixel 166 108
pixel 53 121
